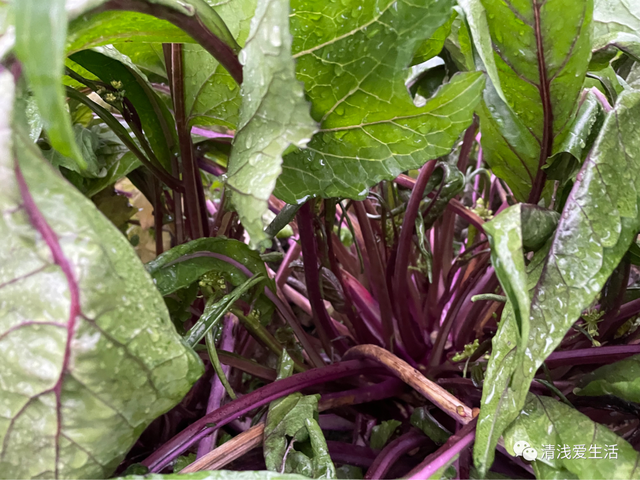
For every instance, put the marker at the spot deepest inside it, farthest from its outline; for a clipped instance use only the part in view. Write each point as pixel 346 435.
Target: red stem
pixel 225 414
pixel 326 331
pixel 413 342
pixel 394 450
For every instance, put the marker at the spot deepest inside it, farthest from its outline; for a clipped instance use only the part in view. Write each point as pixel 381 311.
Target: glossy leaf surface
pixel 354 73
pixel 90 356
pixel 274 114
pixel 597 225
pixel 41 30
pixel 538 61
pixel 621 379
pixel 294 418
pixel 580 447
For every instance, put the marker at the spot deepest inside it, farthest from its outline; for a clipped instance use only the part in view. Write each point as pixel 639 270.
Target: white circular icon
pixel 519 447
pixel 530 454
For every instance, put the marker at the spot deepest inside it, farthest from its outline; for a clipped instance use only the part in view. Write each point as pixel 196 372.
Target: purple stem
pixel 227 342
pixel 413 342
pixel 587 356
pixel 394 450
pixel 225 414
pixel 326 331
pixel 371 393
pixel 350 454
pixel 445 454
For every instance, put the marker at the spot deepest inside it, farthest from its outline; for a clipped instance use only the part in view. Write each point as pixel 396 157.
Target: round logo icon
pixel 520 447
pixel 529 454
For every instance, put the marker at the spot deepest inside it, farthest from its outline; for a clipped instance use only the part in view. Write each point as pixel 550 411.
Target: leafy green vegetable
pixel 537 67
pixel 380 434
pixel 151 115
pixel 621 379
pixel 569 444
pixel 433 46
pixel 293 440
pixel 183 460
pixel 185 264
pixel 89 349
pixel 598 223
pixel 611 16
pixel 212 97
pixel 41 30
pixel 354 72
pixel 422 419
pixel 273 115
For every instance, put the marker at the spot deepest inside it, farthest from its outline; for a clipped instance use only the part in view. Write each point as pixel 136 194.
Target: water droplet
pixel 274 37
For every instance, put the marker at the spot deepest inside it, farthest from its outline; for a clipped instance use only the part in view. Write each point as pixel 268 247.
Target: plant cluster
pixel 319 239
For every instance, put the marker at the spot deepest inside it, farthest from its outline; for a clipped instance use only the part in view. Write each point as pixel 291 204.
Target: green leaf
pixel 537 65
pixel 183 460
pixel 569 154
pixel 88 142
pixel 551 426
pixel 215 310
pixel 433 46
pixel 41 30
pixel 156 120
pixel 621 379
pixel 212 96
pixel 274 115
pixel 294 418
pixel 607 47
pixel 597 225
pixel 89 349
pixel 218 475
pixel 185 264
pixel 432 428
pixel 354 72
pixel 611 16
pixel 380 434
pixel 182 265
pixel 110 27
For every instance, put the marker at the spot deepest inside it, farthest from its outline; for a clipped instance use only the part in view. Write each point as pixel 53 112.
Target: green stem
pixel 215 362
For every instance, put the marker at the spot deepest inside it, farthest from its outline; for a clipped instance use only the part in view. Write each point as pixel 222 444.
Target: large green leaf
pixel 90 356
pixel 352 56
pixel 274 115
pixel 569 444
pixel 539 58
pixel 109 27
pixel 41 30
pixel 212 97
pixel 610 16
pixel 154 117
pixel 597 225
pixel 621 379
pixel 294 418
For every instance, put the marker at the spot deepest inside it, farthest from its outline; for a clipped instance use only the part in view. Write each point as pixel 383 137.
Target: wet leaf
pixel 185 264
pixel 90 354
pixel 41 30
pixel 354 73
pixel 537 65
pixel 597 225
pixel 551 426
pixel 274 114
pixel 422 419
pixel 294 418
pixel 621 379
pixel 150 112
pixel 611 16
pixel 433 46
pixel 380 434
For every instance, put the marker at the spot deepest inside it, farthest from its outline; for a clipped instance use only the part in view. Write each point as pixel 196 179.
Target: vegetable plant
pixel 319 239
